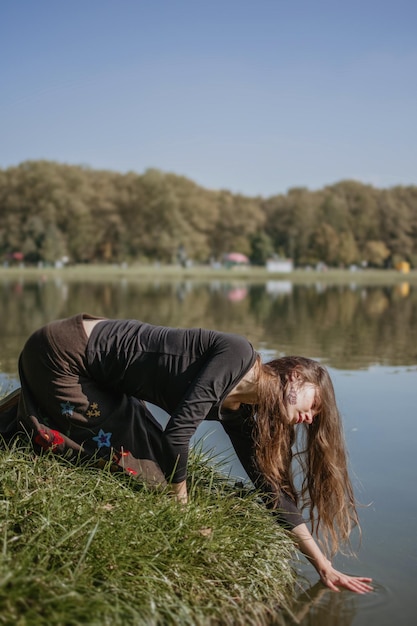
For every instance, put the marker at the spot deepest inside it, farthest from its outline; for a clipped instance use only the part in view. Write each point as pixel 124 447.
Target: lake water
pixel 366 336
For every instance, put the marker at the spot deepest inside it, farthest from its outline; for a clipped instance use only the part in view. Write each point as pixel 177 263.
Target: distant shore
pixel 206 273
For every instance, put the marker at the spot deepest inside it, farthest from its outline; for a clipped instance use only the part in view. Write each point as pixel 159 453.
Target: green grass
pixel 205 273
pixel 84 546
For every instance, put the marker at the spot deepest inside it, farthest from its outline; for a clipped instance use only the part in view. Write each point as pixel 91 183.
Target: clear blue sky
pixel 255 96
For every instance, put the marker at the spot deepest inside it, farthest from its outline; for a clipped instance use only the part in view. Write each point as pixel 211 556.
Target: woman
pixel 85 381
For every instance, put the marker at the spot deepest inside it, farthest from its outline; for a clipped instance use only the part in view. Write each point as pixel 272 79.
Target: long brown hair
pixel 318 450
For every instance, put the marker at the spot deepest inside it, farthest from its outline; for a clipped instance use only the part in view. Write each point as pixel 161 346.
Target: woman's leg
pixel 66 409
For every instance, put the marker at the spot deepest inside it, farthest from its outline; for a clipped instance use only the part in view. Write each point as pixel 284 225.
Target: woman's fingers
pixel 356 584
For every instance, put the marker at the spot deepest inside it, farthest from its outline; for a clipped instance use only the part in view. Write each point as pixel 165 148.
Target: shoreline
pixel 206 273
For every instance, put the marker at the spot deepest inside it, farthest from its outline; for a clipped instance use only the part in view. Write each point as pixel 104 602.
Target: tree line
pixel 50 211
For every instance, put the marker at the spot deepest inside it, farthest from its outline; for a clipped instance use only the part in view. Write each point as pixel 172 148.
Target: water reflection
pixel 319 605
pixel 349 327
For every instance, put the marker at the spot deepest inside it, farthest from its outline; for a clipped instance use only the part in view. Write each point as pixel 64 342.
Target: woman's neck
pixel 246 391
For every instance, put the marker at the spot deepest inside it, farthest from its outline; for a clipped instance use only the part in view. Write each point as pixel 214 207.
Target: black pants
pixel 67 411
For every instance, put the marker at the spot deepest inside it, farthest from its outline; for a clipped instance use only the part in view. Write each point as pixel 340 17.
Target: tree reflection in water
pixel 348 327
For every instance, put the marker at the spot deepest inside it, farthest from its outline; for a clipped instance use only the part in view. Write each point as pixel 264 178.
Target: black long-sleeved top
pixel 188 373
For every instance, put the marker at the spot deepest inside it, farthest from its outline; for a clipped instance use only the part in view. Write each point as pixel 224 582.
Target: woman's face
pixel 300 400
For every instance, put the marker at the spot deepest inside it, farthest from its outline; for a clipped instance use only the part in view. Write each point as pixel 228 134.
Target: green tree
pixel 326 243
pixel 376 253
pixel 348 252
pixel 48 210
pixel 238 218
pixel 262 248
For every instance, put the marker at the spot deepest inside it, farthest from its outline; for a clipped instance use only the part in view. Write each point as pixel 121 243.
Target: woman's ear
pixel 293 376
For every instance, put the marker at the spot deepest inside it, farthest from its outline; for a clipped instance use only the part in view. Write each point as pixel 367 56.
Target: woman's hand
pixel 328 575
pixel 334 579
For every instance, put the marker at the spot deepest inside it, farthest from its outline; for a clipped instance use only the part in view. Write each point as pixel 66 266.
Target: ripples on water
pixel 318 606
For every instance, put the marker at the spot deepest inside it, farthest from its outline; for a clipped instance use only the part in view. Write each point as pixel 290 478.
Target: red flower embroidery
pixel 49 439
pixel 119 456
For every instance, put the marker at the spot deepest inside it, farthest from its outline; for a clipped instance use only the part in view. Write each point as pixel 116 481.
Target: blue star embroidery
pixel 67 409
pixel 103 439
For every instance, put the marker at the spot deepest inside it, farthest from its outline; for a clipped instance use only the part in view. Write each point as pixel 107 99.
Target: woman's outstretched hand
pixel 334 580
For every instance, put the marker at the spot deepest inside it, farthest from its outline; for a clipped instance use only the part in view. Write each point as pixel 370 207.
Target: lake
pixel 365 335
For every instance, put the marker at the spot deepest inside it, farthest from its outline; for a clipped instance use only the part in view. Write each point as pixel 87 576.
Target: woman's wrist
pixel 323 567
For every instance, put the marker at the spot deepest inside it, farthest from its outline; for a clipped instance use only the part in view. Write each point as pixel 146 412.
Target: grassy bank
pixel 83 546
pixel 207 273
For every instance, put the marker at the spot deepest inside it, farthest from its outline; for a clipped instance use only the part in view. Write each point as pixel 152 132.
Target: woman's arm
pixel 239 430
pixel 226 360
pixel 328 575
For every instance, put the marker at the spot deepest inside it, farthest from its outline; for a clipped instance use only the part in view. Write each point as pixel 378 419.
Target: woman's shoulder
pixel 235 342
